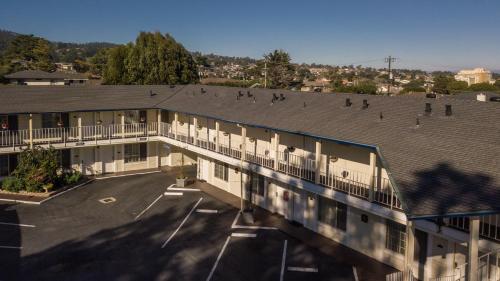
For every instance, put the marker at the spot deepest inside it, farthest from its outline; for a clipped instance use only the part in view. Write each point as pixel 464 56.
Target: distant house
pixel 42 78
pixel 65 66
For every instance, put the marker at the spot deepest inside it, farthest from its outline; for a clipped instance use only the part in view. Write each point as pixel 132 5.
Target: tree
pixel 441 82
pixel 98 62
pixel 457 85
pixel 115 71
pixel 26 52
pixel 153 59
pixel 497 84
pixel 37 167
pixel 364 87
pixel 482 87
pixel 279 69
pixel 414 86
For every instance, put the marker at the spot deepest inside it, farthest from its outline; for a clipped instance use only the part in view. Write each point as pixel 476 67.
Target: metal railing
pixel 489 225
pixel 348 181
pixel 65 135
pixel 296 165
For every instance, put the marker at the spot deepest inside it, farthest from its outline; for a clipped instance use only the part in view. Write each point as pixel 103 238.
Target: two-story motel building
pixel 411 182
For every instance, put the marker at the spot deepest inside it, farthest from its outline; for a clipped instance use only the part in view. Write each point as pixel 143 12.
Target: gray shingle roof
pixel 39 74
pixel 446 165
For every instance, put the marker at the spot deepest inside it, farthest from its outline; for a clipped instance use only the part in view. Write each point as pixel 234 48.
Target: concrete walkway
pixel 368 269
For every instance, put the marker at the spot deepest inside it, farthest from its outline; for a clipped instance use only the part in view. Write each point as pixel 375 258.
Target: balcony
pixel 16 140
pixel 354 183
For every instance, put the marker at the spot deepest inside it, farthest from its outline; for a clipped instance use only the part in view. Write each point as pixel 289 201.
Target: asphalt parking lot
pixel 143 234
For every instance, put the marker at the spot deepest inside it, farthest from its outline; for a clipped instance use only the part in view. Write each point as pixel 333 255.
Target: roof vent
pixel 254 100
pixel 365 104
pixel 240 94
pixel 275 97
pixel 348 102
pixel 305 104
pixel 428 108
pixel 430 96
pixel 417 122
pixel 151 94
pixel 249 94
pixel 448 111
pixel 282 97
pixel 203 91
pixel 481 97
pixel 381 116
pixel 495 99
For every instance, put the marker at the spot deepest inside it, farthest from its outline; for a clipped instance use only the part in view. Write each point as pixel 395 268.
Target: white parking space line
pixel 234 225
pixel 249 235
pixel 147 208
pixel 207 211
pixel 17 224
pixel 10 247
pixel 302 269
pixel 182 223
pixel 183 189
pixel 127 175
pixel 173 193
pixel 218 258
pixel 283 260
pixel 355 272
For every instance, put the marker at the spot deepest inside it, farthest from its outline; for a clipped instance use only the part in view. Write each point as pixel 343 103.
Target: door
pixel 203 168
pixel 298 208
pixel 107 157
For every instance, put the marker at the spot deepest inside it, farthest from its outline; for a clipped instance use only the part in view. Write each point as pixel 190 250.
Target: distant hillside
pixel 5 37
pixel 62 51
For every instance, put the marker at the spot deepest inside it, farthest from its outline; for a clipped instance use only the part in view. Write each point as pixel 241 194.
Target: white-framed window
pixel 332 213
pixel 135 116
pixel 221 170
pixel 135 152
pixel 395 239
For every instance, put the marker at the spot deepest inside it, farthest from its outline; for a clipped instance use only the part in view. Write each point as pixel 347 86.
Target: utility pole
pixel 389 60
pixel 265 74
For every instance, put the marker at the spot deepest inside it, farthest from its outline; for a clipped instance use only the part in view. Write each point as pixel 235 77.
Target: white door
pixel 298 208
pixel 107 156
pixel 203 168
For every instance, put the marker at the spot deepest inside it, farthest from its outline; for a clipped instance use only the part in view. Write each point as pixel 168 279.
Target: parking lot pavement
pixel 146 235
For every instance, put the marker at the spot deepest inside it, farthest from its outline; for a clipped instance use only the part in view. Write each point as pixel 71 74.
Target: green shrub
pixel 12 184
pixel 73 177
pixel 48 187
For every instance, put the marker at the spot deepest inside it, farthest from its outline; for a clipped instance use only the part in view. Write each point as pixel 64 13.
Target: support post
pixel 372 175
pixel 122 121
pixel 243 142
pixel 317 175
pixel 410 250
pixel 217 129
pixel 31 130
pixel 472 247
pixel 195 131
pixel 158 116
pixel 79 124
pixel 176 122
pixel 276 150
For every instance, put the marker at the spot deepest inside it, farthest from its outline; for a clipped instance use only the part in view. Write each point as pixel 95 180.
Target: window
pixel 49 120
pixel 4 165
pixel 136 152
pixel 395 237
pixel 135 116
pixel 332 213
pixel 221 171
pixel 258 184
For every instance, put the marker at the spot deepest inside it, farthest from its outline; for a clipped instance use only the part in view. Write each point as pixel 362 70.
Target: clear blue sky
pixel 428 34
